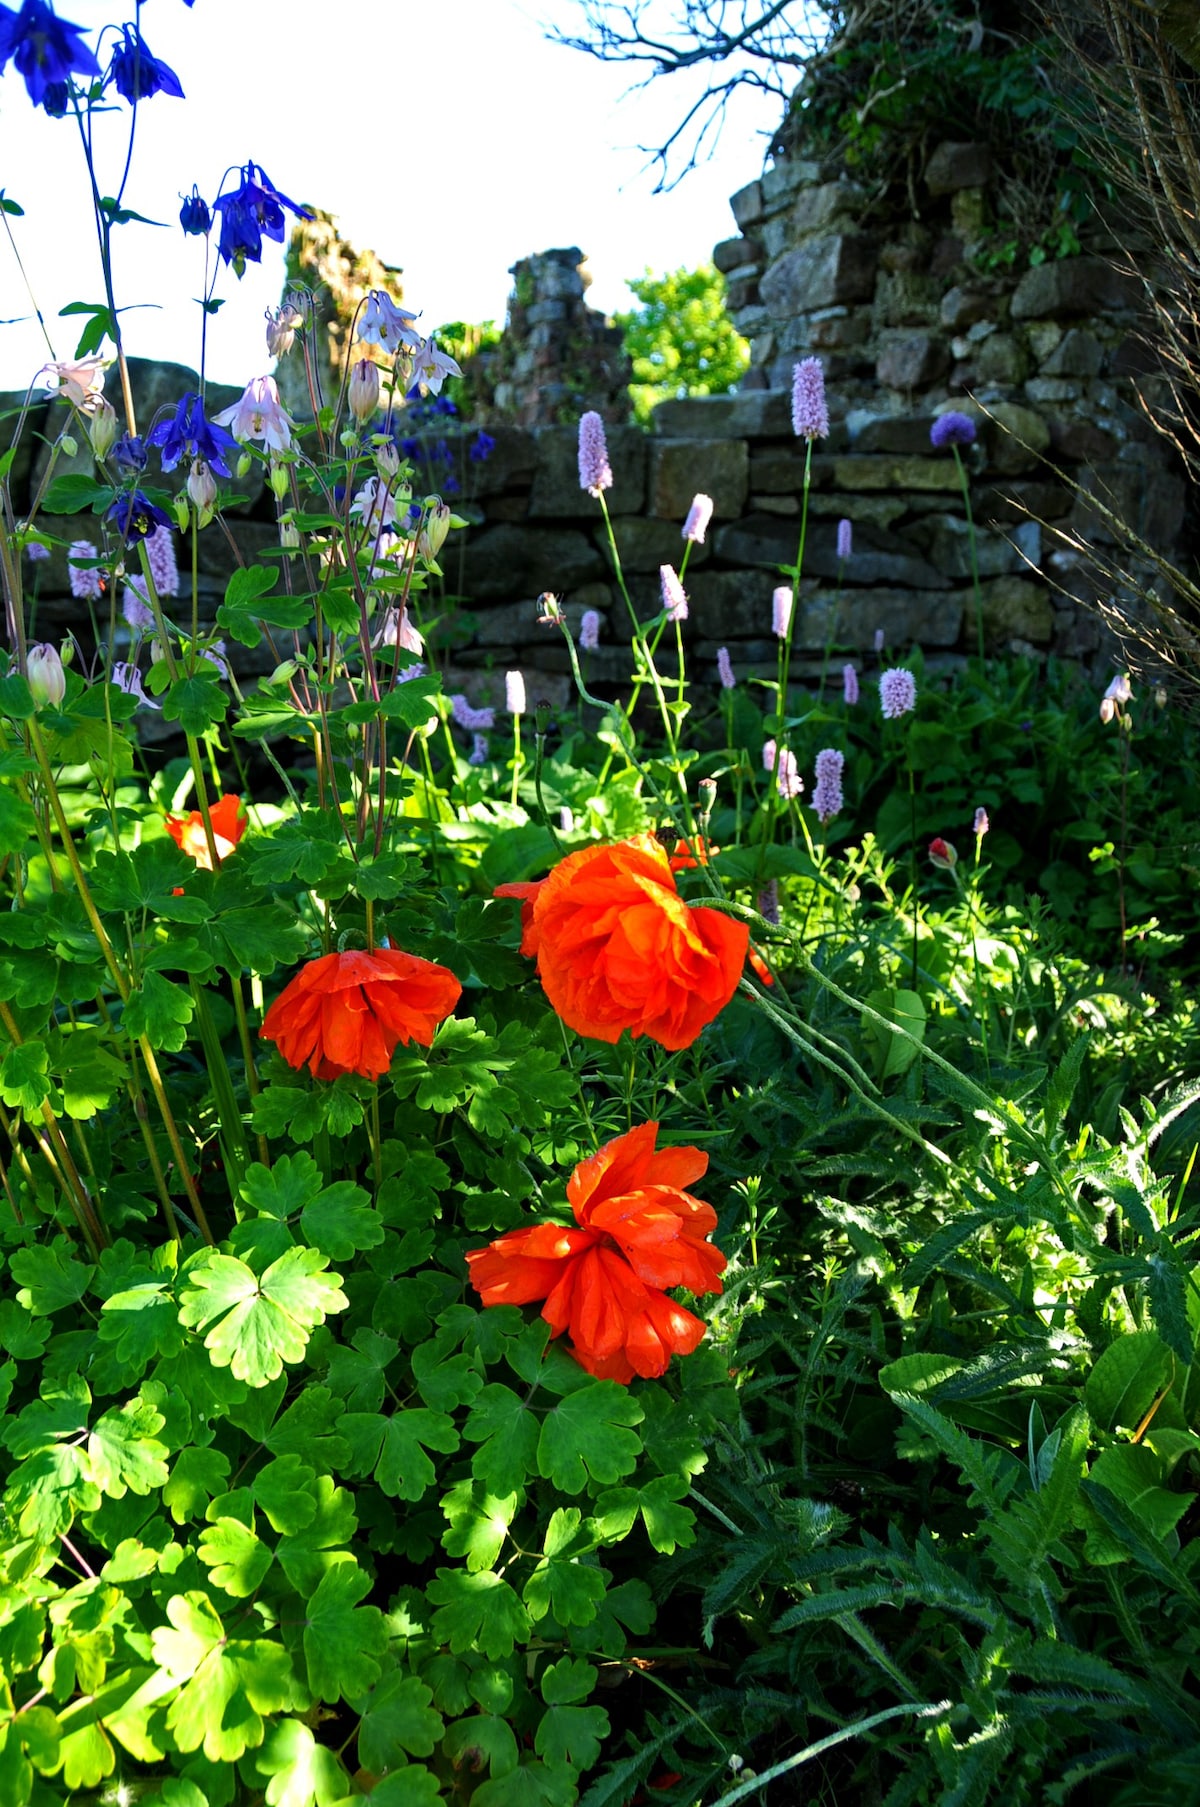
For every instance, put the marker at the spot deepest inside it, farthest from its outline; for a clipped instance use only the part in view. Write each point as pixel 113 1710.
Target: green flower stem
pixel 76 1192
pixel 516 760
pixel 972 547
pixel 921 1710
pixel 833 620
pixel 233 1130
pixel 252 1085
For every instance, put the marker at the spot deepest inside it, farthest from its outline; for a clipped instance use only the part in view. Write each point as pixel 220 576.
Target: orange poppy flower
pixel 345 1013
pixel 618 948
pixel 228 825
pixel 639 1232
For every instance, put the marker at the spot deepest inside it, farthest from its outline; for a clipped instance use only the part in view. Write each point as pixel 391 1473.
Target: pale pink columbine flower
pixel 810 414
pixel 725 669
pixel 479 751
pixel 514 693
pixel 86 586
pixel 782 761
pixel 827 796
pixel 362 392
pixel 674 601
pixel 374 505
pixel 781 611
pixel 282 325
pixel 160 553
pixel 845 539
pixel 80 381
pixel 395 629
pixel 849 686
pixel 129 679
pixel 1118 693
pixel 468 717
pixel 431 367
pixel 595 472
pixel 385 323
pixel 982 824
pixel 258 414
pixel 589 630
pixel 897 692
pixel 698 517
pixel 45 675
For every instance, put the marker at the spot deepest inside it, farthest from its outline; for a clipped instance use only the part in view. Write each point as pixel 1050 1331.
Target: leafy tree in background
pixel 681 340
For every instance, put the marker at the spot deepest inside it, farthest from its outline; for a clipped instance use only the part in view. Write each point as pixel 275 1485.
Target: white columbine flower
pixel 81 382
pixel 386 324
pixel 431 367
pixel 259 415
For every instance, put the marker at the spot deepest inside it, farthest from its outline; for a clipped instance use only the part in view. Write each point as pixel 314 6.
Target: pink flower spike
pixel 897 693
pixel 781 611
pixel 86 586
pixel 810 414
pixel 783 763
pixel 514 693
pixel 725 669
pixel 675 604
pixel 595 472
pixel 849 686
pixel 982 824
pixel 845 540
pixel 589 630
pixel 698 517
pixel 827 796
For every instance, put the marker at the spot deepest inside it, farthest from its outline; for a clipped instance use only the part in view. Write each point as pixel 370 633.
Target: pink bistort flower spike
pixel 827 796
pixel 595 472
pixel 468 717
pixel 160 551
pixel 135 605
pixel 589 630
pixel 897 692
pixel 674 601
pixel 879 640
pixel 86 586
pixel 810 414
pixel 783 763
pixel 781 610
pixel 514 693
pixel 981 824
pixel 698 517
pixel 479 751
pixel 849 686
pixel 845 539
pixel 725 669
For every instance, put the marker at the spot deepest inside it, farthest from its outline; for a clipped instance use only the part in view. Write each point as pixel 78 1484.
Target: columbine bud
pixel 202 488
pixel 436 526
pixel 243 465
pixel 181 513
pixel 278 481
pixel 44 671
pixel 289 536
pixel 103 428
pixel 387 460
pixel 363 394
pixel 70 445
pixel 943 854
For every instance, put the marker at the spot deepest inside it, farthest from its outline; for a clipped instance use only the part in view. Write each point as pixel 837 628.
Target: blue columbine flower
pixel 136 74
pixel 44 48
pixel 254 209
pixel 188 434
pixel 194 215
pixel 129 455
pixel 481 447
pixel 135 516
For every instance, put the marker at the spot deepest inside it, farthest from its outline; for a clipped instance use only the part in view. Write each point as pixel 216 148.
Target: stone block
pixel 755 414
pixel 1002 358
pixel 1052 389
pixel 556 494
pixel 837 328
pixel 911 360
pixel 1081 441
pixel 907 298
pixel 719 468
pixel 1019 436
pixel 820 273
pixel 895 473
pixel 955 166
pixel 732 253
pixel 1074 285
pixel 644 545
pixel 11 403
pixel 815 209
pixel 508 561
pixel 962 307
pixel 946 541
pixel 930 617
pixel 517 624
pixel 742 291
pixel 787 178
pixel 1014 608
pixel 747 205
pixel 904 433
pixel 1078 353
pixel 1018 500
pixel 1138 495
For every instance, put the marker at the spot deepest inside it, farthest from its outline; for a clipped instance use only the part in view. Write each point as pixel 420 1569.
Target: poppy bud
pixel 943 854
pixel 46 677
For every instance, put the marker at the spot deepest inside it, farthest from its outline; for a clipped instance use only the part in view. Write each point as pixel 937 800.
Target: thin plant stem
pixel 972 549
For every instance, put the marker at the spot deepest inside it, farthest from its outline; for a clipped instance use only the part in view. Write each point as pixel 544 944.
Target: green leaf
pixel 196 703
pixel 197 1476
pixel 1127 1379
pixel 571 1737
pixel 563 1584
pixel 125 1453
pixel 894 1054
pixel 412 1786
pixel 398 1718
pixel 227 1684
pixel 161 1011
pixel 357 1373
pixel 236 1558
pixel 587 1437
pixel 507 1433
pixel 286 1490
pixel 478 1523
pixel 668 1524
pixel 532 1785
pixel 72 492
pixel 142 1321
pixel 258 1323
pixel 482 1738
pixel 567 1681
pixel 24 1084
pixel 21 1335
pixel 50 1278
pixel 246 606
pixel 300 1770
pixel 307 1555
pixel 283 1189
pixel 395 1447
pixel 477 1612
pixel 342 1221
pixel 343 1640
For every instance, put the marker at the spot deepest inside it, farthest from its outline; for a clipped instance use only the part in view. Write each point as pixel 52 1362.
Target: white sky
pixel 452 140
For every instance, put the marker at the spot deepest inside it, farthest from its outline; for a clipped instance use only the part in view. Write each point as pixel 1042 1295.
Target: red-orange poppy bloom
pixel 618 948
pixel 639 1232
pixel 228 826
pixel 345 1013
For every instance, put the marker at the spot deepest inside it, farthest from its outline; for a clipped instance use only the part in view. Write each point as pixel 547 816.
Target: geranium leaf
pixel 236 1558
pixel 301 1771
pixel 197 1476
pixel 570 1737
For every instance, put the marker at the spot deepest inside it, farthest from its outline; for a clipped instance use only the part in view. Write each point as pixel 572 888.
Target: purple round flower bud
pixel 129 455
pixel 897 692
pixel 810 414
pixel 595 472
pixel 194 215
pixel 952 429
